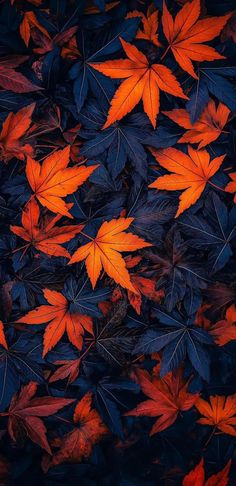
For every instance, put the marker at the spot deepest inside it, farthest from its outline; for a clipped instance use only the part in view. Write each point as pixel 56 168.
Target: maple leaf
pixel 143 82
pixel 104 252
pixel 190 172
pixel 167 397
pixel 60 320
pixel 146 287
pixel 25 411
pixel 224 331
pixel 44 235
pixel 13 80
pixel 231 186
pixel 69 369
pixel 206 129
pixel 186 34
pixel 78 444
pixel 14 128
pixel 2 336
pixel 53 179
pixel 196 477
pixel 150 24
pixel 219 413
pixel 30 21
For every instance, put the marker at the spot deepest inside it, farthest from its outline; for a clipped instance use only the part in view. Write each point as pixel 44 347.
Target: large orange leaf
pixel 189 172
pixel 78 443
pixel 104 252
pixel 143 82
pixel 53 180
pixel 167 397
pixel 43 234
pixel 186 34
pixel 206 129
pixel 220 413
pixel 14 128
pixel 60 320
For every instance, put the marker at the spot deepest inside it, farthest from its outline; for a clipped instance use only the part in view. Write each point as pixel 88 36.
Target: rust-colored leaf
pixel 43 234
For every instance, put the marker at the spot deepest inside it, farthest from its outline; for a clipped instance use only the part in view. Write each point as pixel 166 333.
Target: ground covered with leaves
pixel 117 243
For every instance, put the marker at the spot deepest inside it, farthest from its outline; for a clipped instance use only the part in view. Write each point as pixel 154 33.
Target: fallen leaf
pixel 14 128
pixel 219 413
pixel 43 234
pixel 60 320
pixel 143 82
pixel 53 180
pixel 150 24
pixel 78 444
pixel 25 411
pixel 104 252
pixel 191 172
pixel 167 397
pixel 206 129
pixel 186 34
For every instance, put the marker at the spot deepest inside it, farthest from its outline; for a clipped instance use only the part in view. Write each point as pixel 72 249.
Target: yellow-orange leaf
pixel 186 34
pixel 220 413
pixel 206 129
pixel 60 320
pixel 43 234
pixel 104 252
pixel 53 180
pixel 189 172
pixel 143 82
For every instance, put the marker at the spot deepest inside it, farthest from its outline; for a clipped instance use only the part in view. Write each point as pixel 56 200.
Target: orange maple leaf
pixel 44 235
pixel 186 34
pixel 231 186
pixel 143 82
pixel 30 21
pixel 2 336
pixel 224 331
pixel 206 129
pixel 14 128
pixel 190 172
pixel 61 320
pixel 53 179
pixel 150 24
pixel 103 252
pixel 196 477
pixel 167 397
pixel 219 413
pixel 78 444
